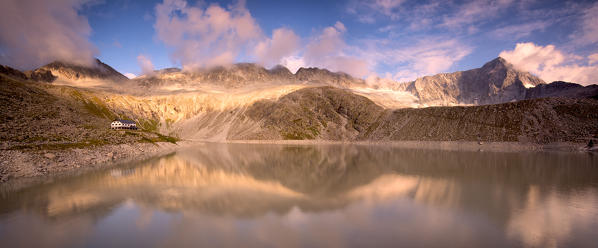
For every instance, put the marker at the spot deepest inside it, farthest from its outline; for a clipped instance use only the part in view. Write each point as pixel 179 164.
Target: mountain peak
pixel 497 81
pixel 71 71
pixel 496 63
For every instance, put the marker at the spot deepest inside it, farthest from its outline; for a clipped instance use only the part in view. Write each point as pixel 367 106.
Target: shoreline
pixel 21 168
pixel 432 145
pixel 31 166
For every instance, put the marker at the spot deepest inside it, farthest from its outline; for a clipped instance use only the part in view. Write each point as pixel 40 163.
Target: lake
pixel 259 195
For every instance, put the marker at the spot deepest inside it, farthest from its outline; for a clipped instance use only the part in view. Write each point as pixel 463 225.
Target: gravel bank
pixel 34 164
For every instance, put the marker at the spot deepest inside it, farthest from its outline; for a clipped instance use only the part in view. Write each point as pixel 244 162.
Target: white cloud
pixel 147 68
pixel 284 43
pixel 36 32
pixel 130 75
pixel 293 63
pixel 206 37
pixel 593 59
pixel 551 64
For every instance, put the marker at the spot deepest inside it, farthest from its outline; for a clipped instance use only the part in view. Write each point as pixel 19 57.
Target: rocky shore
pixel 35 164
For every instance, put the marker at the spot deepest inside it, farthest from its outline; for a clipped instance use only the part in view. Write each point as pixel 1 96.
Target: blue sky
pixel 393 39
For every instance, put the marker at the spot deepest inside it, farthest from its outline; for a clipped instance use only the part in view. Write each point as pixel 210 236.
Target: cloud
pixel 329 50
pixel 475 11
pixel 551 64
pixel 36 32
pixel 204 37
pixel 293 63
pixel 368 9
pixel 593 58
pixel 147 68
pixel 426 57
pixel 517 31
pixel 117 44
pixel 589 29
pixel 130 75
pixel 284 43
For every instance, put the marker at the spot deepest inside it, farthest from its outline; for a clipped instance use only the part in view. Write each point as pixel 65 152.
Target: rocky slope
pixel 335 114
pixel 42 116
pixel 495 82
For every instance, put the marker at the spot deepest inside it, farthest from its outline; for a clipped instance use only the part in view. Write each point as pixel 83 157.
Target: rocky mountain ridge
pixel 244 74
pixel 495 82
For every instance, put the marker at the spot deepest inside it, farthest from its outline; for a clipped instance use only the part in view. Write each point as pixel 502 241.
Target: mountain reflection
pixel 534 199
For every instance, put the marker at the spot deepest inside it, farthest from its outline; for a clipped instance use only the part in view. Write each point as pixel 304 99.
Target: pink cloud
pixel 284 43
pixel 147 68
pixel 206 37
pixel 329 50
pixel 36 32
pixel 551 64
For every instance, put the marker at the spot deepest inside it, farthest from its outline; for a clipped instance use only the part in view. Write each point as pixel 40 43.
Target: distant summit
pixel 495 82
pixel 70 71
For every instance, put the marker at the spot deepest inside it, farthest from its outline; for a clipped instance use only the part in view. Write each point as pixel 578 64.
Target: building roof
pixel 126 121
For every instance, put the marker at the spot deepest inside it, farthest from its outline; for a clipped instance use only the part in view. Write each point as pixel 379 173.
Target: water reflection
pixel 328 195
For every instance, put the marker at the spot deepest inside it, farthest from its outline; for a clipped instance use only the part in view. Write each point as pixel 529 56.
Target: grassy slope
pixel 43 116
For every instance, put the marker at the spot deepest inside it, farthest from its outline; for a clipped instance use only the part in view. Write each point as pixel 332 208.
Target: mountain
pixel 69 71
pixel 495 82
pixel 313 104
pixel 562 89
pixel 242 75
pixel 329 113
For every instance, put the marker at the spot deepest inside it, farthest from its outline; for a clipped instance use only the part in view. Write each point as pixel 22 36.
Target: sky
pixel 378 40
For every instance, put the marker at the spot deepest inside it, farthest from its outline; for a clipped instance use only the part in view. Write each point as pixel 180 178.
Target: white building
pixel 123 124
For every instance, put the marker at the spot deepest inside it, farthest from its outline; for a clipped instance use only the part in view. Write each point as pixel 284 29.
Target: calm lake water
pixel 239 195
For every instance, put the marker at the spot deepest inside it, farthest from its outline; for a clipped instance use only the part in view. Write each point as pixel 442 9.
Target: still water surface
pixel 315 196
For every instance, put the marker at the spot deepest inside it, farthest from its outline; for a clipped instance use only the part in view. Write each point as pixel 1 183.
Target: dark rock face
pixel 9 71
pixel 74 72
pixel 37 75
pixel 495 82
pixel 42 75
